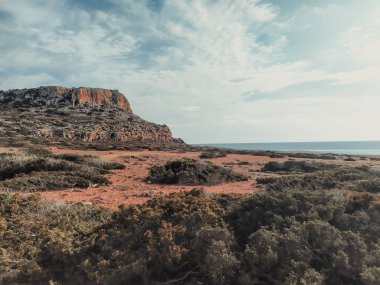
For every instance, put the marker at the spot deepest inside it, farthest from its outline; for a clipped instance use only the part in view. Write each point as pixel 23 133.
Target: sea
pixel 336 147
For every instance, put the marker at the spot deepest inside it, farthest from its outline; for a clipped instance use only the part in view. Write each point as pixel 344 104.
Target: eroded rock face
pixel 77 116
pixel 55 96
pixel 99 97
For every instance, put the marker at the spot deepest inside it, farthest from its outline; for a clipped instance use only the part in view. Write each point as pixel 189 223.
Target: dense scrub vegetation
pixel 192 172
pixel 39 169
pixel 34 231
pixel 273 237
pixel 362 179
pixel 318 227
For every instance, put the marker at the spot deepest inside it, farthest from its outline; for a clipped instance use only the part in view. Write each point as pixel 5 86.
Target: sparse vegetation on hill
pixel 78 117
pixel 192 172
pixel 39 169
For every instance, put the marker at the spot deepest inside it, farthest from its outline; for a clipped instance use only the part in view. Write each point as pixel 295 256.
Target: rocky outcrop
pixel 99 97
pixel 55 96
pixel 77 116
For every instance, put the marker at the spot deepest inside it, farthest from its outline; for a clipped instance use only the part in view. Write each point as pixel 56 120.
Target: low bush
pixel 13 164
pixel 277 155
pixel 33 230
pixel 295 166
pixel 92 161
pixel 39 169
pixel 273 237
pixel 212 154
pixel 360 179
pixel 191 172
pixel 369 185
pixel 55 180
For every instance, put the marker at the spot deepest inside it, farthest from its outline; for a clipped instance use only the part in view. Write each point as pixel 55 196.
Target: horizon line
pixel 281 142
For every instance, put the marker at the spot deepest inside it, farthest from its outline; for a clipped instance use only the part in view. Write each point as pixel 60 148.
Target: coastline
pixel 357 148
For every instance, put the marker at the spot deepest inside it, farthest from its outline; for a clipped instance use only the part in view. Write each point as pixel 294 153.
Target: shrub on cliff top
pixel 192 172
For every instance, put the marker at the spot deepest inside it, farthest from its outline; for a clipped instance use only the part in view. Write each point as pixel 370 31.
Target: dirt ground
pixel 128 186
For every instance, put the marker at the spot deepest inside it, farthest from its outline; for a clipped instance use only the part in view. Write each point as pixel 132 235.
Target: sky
pixel 214 71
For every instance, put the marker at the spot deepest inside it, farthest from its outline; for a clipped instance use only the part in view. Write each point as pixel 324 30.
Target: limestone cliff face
pixel 99 96
pixel 55 96
pixel 77 116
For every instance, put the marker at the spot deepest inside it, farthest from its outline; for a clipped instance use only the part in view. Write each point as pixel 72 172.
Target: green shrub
pixel 42 170
pixel 38 151
pixel 34 232
pixel 295 166
pixel 56 180
pixel 347 178
pixel 191 172
pixel 273 237
pixel 13 164
pixel 369 185
pixel 91 161
pixel 212 154
pixel 304 229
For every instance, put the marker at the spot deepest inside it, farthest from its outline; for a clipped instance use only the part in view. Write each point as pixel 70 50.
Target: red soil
pixel 128 185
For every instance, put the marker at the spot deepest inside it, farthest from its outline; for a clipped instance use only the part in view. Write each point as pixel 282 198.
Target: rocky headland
pixel 92 117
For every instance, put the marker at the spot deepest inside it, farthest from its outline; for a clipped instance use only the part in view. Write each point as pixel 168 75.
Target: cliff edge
pixel 56 96
pixel 77 116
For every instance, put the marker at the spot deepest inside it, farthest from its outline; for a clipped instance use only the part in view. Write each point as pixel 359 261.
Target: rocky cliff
pixel 77 116
pixel 58 97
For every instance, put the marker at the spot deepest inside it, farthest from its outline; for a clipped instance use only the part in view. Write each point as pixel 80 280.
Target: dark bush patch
pixel 38 151
pixel 295 166
pixel 38 181
pixel 277 155
pixel 91 161
pixel 369 185
pixel 345 178
pixel 13 164
pixel 42 170
pixel 273 237
pixel 191 172
pixel 350 159
pixel 35 232
pixel 212 154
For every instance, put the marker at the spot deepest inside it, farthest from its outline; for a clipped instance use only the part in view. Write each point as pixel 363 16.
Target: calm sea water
pixel 341 147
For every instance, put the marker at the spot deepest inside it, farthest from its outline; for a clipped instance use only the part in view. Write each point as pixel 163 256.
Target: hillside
pixel 91 117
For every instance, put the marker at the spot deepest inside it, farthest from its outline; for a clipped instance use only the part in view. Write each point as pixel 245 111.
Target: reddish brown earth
pixel 129 186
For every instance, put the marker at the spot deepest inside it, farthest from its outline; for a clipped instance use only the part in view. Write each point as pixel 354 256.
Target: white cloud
pixel 191 109
pixel 193 58
pixel 362 43
pixel 38 79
